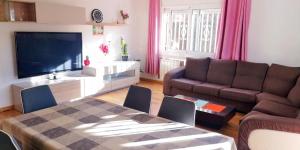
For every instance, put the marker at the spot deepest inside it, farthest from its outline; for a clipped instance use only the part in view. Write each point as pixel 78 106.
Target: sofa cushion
pixel 250 76
pixel 241 95
pixel 209 89
pixel 277 109
pixel 280 79
pixel 294 95
pixel 196 69
pixel 221 72
pixel 271 97
pixel 184 84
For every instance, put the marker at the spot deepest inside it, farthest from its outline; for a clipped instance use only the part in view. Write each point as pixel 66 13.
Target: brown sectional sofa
pixel 272 113
pixel 270 93
pixel 228 82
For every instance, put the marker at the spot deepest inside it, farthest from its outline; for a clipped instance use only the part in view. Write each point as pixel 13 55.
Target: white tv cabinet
pixel 94 80
pixel 62 89
pixel 105 77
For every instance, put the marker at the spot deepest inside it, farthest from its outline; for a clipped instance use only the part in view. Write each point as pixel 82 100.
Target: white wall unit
pixel 93 80
pixel 94 85
pixel 111 76
pixel 63 90
pixel 59 14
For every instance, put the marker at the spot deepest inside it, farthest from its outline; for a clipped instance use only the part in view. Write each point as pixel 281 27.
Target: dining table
pixel 92 124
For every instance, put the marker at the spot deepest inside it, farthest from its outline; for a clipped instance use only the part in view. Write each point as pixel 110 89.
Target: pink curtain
pixel 233 30
pixel 152 62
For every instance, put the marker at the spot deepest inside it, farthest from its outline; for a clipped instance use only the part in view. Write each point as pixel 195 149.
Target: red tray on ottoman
pixel 210 114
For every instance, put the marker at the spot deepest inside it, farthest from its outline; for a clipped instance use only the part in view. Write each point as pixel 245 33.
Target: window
pixel 190 31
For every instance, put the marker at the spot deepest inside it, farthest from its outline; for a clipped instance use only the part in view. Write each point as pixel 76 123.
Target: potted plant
pixel 124 51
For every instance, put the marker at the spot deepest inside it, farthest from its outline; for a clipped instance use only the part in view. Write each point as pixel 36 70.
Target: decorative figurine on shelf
pixel 125 16
pixel 104 49
pixel 87 61
pixel 124 51
pixel 98 30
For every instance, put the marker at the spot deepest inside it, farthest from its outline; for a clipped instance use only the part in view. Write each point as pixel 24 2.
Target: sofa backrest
pixel 196 68
pixel 221 71
pixel 250 76
pixel 280 79
pixel 294 95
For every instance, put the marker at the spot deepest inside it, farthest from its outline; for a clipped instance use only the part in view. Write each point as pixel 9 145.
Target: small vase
pixel 124 58
pixel 87 61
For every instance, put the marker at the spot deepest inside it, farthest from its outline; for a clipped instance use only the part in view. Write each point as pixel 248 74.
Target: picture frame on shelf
pixel 98 29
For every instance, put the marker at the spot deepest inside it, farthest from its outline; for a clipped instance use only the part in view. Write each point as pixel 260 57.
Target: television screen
pixel 40 53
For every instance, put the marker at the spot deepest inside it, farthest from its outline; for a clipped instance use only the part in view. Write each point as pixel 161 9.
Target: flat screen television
pixel 40 53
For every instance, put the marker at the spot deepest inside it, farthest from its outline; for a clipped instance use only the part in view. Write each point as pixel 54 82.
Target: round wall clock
pixel 97 16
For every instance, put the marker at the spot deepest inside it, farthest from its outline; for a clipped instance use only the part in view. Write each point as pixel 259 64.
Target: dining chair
pixel 7 142
pixel 178 110
pixel 37 98
pixel 138 98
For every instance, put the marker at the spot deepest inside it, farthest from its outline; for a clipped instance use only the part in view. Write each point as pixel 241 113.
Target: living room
pixel 204 74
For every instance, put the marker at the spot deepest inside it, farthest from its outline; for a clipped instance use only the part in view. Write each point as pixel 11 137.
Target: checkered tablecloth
pixel 93 124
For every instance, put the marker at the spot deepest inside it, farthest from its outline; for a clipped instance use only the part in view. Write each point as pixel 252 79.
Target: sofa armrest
pixel 262 139
pixel 263 121
pixel 173 74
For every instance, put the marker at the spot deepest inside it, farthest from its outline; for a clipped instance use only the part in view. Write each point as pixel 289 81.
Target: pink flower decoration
pixel 104 48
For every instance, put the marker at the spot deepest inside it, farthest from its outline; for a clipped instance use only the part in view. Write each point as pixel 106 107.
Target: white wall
pixel 274 34
pixel 191 3
pixel 134 33
pixel 140 30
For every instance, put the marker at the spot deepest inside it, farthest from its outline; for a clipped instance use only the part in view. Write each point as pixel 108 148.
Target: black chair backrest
pixel 138 98
pixel 7 142
pixel 178 110
pixel 37 98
